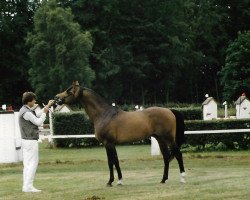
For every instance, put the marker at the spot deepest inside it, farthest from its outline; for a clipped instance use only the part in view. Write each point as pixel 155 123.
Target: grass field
pixel 82 174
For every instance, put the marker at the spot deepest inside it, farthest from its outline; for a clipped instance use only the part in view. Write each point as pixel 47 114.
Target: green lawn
pixel 82 174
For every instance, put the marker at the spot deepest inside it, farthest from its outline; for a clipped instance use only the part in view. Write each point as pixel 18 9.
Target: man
pixel 29 123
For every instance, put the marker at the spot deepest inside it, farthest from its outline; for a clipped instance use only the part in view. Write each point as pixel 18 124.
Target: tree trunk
pixel 216 88
pixel 143 95
pixel 167 95
pixel 197 93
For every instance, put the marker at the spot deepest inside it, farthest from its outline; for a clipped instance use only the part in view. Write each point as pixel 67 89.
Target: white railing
pixel 155 149
pixel 217 131
pixel 50 137
pixel 72 136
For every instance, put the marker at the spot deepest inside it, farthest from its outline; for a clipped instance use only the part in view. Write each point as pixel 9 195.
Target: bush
pixel 189 113
pixel 230 140
pixel 73 123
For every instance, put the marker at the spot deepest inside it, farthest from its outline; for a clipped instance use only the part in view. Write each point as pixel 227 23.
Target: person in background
pixel 29 122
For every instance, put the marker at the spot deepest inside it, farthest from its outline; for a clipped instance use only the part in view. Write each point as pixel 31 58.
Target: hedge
pixel 225 140
pixel 73 123
pixel 77 123
pixel 189 113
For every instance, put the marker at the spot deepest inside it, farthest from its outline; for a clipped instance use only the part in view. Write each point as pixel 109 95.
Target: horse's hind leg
pixel 113 160
pixel 117 166
pixel 178 156
pixel 166 156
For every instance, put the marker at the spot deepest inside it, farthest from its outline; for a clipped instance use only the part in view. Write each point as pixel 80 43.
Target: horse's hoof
pixel 109 184
pixel 163 182
pixel 119 182
pixel 183 175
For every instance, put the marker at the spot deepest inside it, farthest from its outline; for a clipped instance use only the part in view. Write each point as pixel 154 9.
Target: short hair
pixel 28 97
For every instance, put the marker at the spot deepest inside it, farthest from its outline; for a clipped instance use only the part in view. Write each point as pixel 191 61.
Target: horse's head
pixel 70 95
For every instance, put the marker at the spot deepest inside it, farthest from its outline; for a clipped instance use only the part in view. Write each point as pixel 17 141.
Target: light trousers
pixel 30 162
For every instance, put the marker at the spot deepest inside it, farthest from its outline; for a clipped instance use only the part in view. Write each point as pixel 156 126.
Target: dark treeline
pixel 143 52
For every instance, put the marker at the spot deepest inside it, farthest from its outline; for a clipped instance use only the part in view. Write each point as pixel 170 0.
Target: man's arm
pixel 33 119
pixel 39 114
pixel 50 103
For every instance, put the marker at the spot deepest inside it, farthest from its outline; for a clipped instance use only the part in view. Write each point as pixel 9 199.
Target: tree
pixel 59 51
pixel 15 22
pixel 235 76
pixel 140 49
pixel 238 16
pixel 211 39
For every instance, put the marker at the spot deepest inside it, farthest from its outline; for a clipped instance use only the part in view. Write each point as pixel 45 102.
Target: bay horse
pixel 114 126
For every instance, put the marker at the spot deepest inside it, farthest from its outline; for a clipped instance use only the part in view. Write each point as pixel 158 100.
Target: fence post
pixel 155 149
pixel 50 139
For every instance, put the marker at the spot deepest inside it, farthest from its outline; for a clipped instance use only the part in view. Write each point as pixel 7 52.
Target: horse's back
pixel 158 111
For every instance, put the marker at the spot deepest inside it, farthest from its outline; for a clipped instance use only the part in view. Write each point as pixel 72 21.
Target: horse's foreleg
pixel 110 155
pixel 178 156
pixel 113 160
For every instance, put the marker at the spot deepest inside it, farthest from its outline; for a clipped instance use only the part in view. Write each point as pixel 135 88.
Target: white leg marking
pixel 119 182
pixel 183 176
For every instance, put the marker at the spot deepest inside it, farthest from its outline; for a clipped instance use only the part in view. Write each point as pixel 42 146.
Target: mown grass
pixel 83 173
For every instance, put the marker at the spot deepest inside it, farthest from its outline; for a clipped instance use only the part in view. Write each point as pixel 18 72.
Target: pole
pixel 50 139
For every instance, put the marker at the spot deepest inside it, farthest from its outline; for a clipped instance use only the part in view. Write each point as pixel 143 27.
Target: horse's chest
pixel 103 134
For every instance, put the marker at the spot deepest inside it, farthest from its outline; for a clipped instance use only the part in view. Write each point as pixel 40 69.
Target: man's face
pixel 31 103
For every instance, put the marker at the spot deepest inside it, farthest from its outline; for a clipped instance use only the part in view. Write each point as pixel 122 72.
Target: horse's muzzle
pixel 58 101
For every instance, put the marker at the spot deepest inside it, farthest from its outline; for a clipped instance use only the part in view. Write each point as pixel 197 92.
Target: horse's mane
pixel 110 111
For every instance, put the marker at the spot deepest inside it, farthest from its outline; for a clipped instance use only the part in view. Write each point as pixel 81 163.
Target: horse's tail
pixel 180 128
pixel 179 137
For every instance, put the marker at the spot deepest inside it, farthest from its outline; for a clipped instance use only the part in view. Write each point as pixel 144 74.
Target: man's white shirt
pixel 37 120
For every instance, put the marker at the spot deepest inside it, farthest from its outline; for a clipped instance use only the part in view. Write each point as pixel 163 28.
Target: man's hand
pixel 50 103
pixel 46 109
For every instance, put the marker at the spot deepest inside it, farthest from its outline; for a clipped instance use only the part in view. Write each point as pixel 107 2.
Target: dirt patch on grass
pixel 199 156
pixel 68 162
pixel 94 198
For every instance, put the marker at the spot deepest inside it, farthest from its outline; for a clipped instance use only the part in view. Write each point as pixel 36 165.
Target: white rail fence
pixel 186 133
pixel 155 150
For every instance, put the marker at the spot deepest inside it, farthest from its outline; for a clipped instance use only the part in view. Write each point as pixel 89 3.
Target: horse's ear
pixel 75 83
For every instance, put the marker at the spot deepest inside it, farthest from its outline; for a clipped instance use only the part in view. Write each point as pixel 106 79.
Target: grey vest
pixel 29 131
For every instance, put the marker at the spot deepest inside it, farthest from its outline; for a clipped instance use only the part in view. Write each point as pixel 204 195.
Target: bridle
pixel 60 101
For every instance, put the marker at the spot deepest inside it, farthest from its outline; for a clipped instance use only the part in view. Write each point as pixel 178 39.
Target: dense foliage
pixel 15 21
pixel 59 51
pixel 133 52
pixel 236 73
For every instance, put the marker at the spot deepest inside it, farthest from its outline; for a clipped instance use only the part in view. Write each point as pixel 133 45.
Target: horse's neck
pixel 93 108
